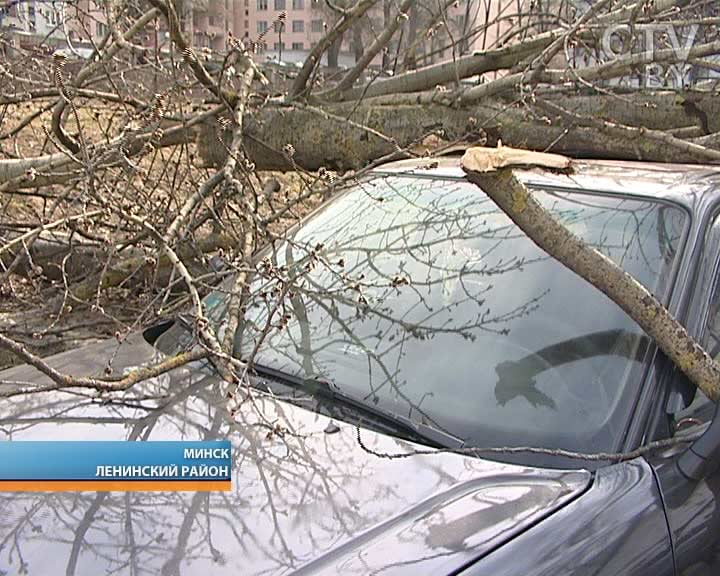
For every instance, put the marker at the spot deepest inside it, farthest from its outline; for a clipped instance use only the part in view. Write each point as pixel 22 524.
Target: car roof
pixel 681 183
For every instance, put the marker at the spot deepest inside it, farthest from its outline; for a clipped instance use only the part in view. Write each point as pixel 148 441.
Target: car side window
pixel 711 339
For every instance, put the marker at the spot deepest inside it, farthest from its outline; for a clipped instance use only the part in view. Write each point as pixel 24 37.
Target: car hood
pixel 306 494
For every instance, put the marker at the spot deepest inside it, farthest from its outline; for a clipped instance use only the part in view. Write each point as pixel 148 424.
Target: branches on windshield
pixel 492 171
pixel 133 166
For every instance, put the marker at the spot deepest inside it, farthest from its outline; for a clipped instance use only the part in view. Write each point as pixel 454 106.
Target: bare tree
pixel 116 190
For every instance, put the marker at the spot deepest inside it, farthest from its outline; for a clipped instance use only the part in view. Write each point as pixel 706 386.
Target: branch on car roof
pixel 492 170
pixel 638 134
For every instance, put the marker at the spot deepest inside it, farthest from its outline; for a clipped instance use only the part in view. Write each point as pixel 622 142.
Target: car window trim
pixel 707 279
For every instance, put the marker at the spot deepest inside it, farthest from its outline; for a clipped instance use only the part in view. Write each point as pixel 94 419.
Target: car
pixel 429 393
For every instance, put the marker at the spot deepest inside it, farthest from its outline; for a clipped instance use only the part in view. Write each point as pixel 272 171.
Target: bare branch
pixel 380 42
pixel 348 18
pixel 512 196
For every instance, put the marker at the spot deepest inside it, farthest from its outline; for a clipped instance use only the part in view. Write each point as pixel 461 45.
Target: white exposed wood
pixel 482 159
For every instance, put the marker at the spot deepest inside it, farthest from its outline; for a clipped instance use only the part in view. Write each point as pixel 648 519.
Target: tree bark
pixel 322 138
pixel 514 198
pixel 333 53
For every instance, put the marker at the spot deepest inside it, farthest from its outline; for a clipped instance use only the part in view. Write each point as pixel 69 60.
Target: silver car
pixel 431 394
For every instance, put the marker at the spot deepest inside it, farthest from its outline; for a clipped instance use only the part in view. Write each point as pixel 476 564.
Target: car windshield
pixel 417 295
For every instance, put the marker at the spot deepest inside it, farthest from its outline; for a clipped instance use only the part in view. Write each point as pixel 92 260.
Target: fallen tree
pixel 537 100
pixel 561 89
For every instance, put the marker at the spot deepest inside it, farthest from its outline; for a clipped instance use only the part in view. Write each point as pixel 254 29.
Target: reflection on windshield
pixel 420 296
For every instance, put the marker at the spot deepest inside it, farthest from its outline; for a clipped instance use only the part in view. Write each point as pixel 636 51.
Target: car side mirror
pixel 152 333
pixel 703 456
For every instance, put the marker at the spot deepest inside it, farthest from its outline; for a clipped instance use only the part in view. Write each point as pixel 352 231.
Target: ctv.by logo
pixel 621 40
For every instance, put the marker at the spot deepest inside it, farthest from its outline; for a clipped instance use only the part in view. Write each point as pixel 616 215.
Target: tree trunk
pixel 333 53
pixel 410 62
pixel 387 11
pixel 322 137
pixel 357 42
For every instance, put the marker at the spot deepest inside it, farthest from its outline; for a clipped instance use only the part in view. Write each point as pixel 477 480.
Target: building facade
pixel 32 22
pixel 283 30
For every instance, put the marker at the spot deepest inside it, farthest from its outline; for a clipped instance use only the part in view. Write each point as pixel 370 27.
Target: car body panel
pixel 693 511
pixel 456 527
pixel 300 490
pixel 617 527
pixel 684 184
pixel 693 508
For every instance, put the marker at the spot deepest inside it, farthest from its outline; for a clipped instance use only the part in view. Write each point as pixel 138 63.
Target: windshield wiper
pixel 420 432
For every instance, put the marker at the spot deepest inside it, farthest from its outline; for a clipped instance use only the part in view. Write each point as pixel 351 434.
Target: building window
pixel 298 26
pixel 280 4
pixel 279 25
pixel 211 20
pixel 298 4
pixel 262 26
pixel 297 46
pixel 317 26
pixel 31 18
pixel 279 46
pixel 100 29
pixel 262 5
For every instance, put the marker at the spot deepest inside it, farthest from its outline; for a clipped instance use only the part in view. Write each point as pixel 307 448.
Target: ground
pixel 35 309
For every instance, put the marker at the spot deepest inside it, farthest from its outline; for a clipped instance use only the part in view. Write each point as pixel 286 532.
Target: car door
pixel 693 508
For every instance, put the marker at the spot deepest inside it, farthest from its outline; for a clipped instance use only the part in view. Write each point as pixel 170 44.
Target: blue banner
pixel 98 461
